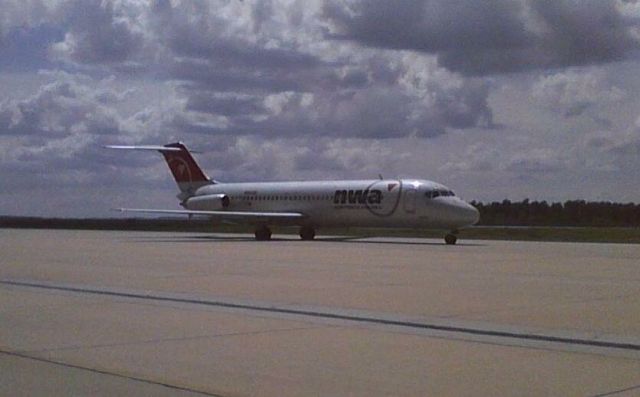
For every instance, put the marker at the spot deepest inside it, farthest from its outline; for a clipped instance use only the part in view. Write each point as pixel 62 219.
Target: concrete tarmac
pixel 104 313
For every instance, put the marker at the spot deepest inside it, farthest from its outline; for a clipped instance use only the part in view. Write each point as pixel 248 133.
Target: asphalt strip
pixel 439 327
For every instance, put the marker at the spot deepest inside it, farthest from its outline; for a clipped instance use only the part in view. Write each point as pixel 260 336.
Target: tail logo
pixel 180 169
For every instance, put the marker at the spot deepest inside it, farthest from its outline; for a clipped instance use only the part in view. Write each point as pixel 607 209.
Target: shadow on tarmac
pixel 345 239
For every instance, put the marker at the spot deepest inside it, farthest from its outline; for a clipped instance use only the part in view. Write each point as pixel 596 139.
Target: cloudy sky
pixel 497 99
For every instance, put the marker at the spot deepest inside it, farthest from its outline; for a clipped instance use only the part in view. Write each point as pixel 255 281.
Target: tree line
pixel 569 213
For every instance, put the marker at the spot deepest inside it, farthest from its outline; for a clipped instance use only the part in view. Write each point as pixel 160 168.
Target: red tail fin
pixel 188 175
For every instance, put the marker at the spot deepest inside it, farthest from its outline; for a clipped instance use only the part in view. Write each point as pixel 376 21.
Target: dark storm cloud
pixel 430 26
pixel 99 32
pixel 479 38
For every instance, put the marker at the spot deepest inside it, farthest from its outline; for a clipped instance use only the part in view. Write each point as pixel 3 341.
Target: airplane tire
pixel 307 233
pixel 450 239
pixel 263 234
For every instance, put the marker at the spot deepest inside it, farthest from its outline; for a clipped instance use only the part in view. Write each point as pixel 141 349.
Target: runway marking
pixel 334 315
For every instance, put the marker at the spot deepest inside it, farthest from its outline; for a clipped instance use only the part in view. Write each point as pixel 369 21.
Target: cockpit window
pixel 439 193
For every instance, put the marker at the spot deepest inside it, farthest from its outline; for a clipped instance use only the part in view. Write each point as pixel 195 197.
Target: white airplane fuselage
pixel 358 203
pixel 410 203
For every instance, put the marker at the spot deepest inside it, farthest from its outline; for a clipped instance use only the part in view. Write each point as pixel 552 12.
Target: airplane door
pixel 410 199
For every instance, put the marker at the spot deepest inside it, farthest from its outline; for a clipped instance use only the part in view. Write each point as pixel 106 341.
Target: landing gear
pixel 450 239
pixel 263 233
pixel 307 233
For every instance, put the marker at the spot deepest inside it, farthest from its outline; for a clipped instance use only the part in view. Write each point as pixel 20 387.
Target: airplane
pixel 310 205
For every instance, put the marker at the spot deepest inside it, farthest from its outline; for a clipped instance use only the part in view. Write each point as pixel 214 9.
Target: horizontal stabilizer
pixel 144 147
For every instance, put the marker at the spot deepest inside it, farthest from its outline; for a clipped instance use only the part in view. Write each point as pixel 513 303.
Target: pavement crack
pixel 105 372
pixel 619 391
pixel 162 340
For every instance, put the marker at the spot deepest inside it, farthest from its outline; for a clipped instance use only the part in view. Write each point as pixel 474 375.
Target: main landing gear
pixel 307 233
pixel 450 239
pixel 263 233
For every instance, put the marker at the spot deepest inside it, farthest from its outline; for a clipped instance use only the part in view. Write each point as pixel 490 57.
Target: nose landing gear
pixel 450 239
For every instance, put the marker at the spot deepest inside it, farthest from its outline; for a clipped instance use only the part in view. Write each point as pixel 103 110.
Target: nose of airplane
pixel 472 215
pixel 466 214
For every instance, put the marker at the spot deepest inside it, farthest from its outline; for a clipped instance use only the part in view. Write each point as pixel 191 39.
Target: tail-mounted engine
pixel 209 202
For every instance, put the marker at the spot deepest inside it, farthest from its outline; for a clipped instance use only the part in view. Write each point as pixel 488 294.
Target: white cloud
pixel 477 158
pixel 535 162
pixel 572 93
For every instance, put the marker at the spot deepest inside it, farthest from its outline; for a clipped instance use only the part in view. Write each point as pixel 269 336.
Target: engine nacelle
pixel 209 202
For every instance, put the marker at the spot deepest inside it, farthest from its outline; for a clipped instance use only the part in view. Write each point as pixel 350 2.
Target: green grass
pixel 569 234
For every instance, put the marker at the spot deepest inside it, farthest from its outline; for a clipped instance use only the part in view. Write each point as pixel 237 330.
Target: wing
pixel 236 216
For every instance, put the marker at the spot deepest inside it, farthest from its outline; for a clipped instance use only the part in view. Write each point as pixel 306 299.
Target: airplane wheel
pixel 307 233
pixel 450 239
pixel 263 234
